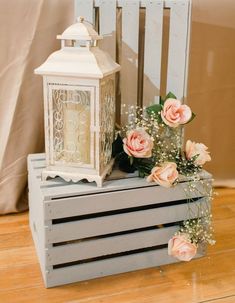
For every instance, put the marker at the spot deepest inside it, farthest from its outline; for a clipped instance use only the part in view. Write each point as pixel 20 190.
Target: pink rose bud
pixel 174 113
pixel 164 175
pixel 138 144
pixel 181 247
pixel 192 149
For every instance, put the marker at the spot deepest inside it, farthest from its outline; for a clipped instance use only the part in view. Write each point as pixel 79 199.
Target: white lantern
pixel 79 107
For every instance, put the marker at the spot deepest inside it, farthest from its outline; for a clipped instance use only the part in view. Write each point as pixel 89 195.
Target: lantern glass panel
pixel 107 120
pixel 71 126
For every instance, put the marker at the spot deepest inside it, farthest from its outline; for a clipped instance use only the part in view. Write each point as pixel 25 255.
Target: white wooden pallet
pixel 82 232
pixel 103 14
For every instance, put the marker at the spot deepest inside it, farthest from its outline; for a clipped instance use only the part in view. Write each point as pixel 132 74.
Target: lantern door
pixel 107 120
pixel 71 125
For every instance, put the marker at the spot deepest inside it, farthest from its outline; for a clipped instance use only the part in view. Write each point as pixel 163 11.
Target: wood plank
pixel 107 18
pixel 12 239
pixel 229 299
pixel 142 3
pixel 36 157
pixel 84 8
pixel 94 248
pixel 13 224
pixel 36 168
pixel 16 257
pixel 117 223
pixel 82 205
pixel 37 223
pixel 178 47
pixel 108 267
pixel 19 277
pixel 150 285
pixel 129 53
pixel 210 278
pixel 91 188
pixel 153 51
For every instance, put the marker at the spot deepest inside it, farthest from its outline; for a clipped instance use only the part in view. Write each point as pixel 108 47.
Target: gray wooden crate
pixel 82 232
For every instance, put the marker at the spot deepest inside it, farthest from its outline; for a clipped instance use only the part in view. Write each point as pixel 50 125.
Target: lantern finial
pixel 82 30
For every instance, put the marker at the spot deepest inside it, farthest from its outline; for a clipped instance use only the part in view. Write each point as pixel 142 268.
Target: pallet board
pixel 82 232
pixel 126 51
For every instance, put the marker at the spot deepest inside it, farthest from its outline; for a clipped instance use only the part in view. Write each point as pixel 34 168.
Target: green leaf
pixel 131 160
pixel 141 174
pixel 117 146
pixel 124 165
pixel 191 119
pixel 161 100
pixel 154 109
pixel 170 95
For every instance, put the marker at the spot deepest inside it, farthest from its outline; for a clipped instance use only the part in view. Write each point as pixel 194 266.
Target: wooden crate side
pixel 107 20
pixel 85 9
pixel 81 205
pixel 111 245
pixel 129 53
pixel 58 188
pixel 39 162
pixel 153 51
pixel 120 222
pixel 36 222
pixel 110 266
pixel 178 47
pixel 115 253
pixel 91 188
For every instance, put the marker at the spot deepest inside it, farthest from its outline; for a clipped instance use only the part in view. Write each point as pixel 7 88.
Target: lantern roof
pixel 85 61
pixel 82 30
pixel 79 62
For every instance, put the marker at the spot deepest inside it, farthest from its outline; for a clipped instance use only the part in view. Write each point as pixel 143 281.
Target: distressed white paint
pixel 180 20
pixel 129 53
pixel 107 18
pixel 84 8
pixel 153 51
pixel 178 47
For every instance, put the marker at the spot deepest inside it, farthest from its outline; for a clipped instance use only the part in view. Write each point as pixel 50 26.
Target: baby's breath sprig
pixel 198 226
pixel 167 148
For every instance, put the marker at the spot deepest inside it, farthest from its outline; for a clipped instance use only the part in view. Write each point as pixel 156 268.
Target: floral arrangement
pixel 151 143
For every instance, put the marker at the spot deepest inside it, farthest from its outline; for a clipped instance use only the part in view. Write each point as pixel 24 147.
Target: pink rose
pixel 192 149
pixel 181 247
pixel 174 113
pixel 164 175
pixel 138 144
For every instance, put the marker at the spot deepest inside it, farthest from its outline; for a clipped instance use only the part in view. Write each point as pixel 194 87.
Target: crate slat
pixel 178 47
pixel 84 8
pixel 129 53
pixel 107 246
pixel 116 223
pixel 153 54
pixel 107 18
pixel 60 208
pixel 109 267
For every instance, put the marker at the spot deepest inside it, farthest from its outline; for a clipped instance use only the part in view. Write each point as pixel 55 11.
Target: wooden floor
pixel 209 279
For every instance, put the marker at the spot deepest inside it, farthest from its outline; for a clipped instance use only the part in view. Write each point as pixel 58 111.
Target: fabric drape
pixel 28 35
pixel 28 30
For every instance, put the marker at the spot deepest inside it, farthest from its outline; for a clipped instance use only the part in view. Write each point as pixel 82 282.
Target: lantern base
pixel 76 177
